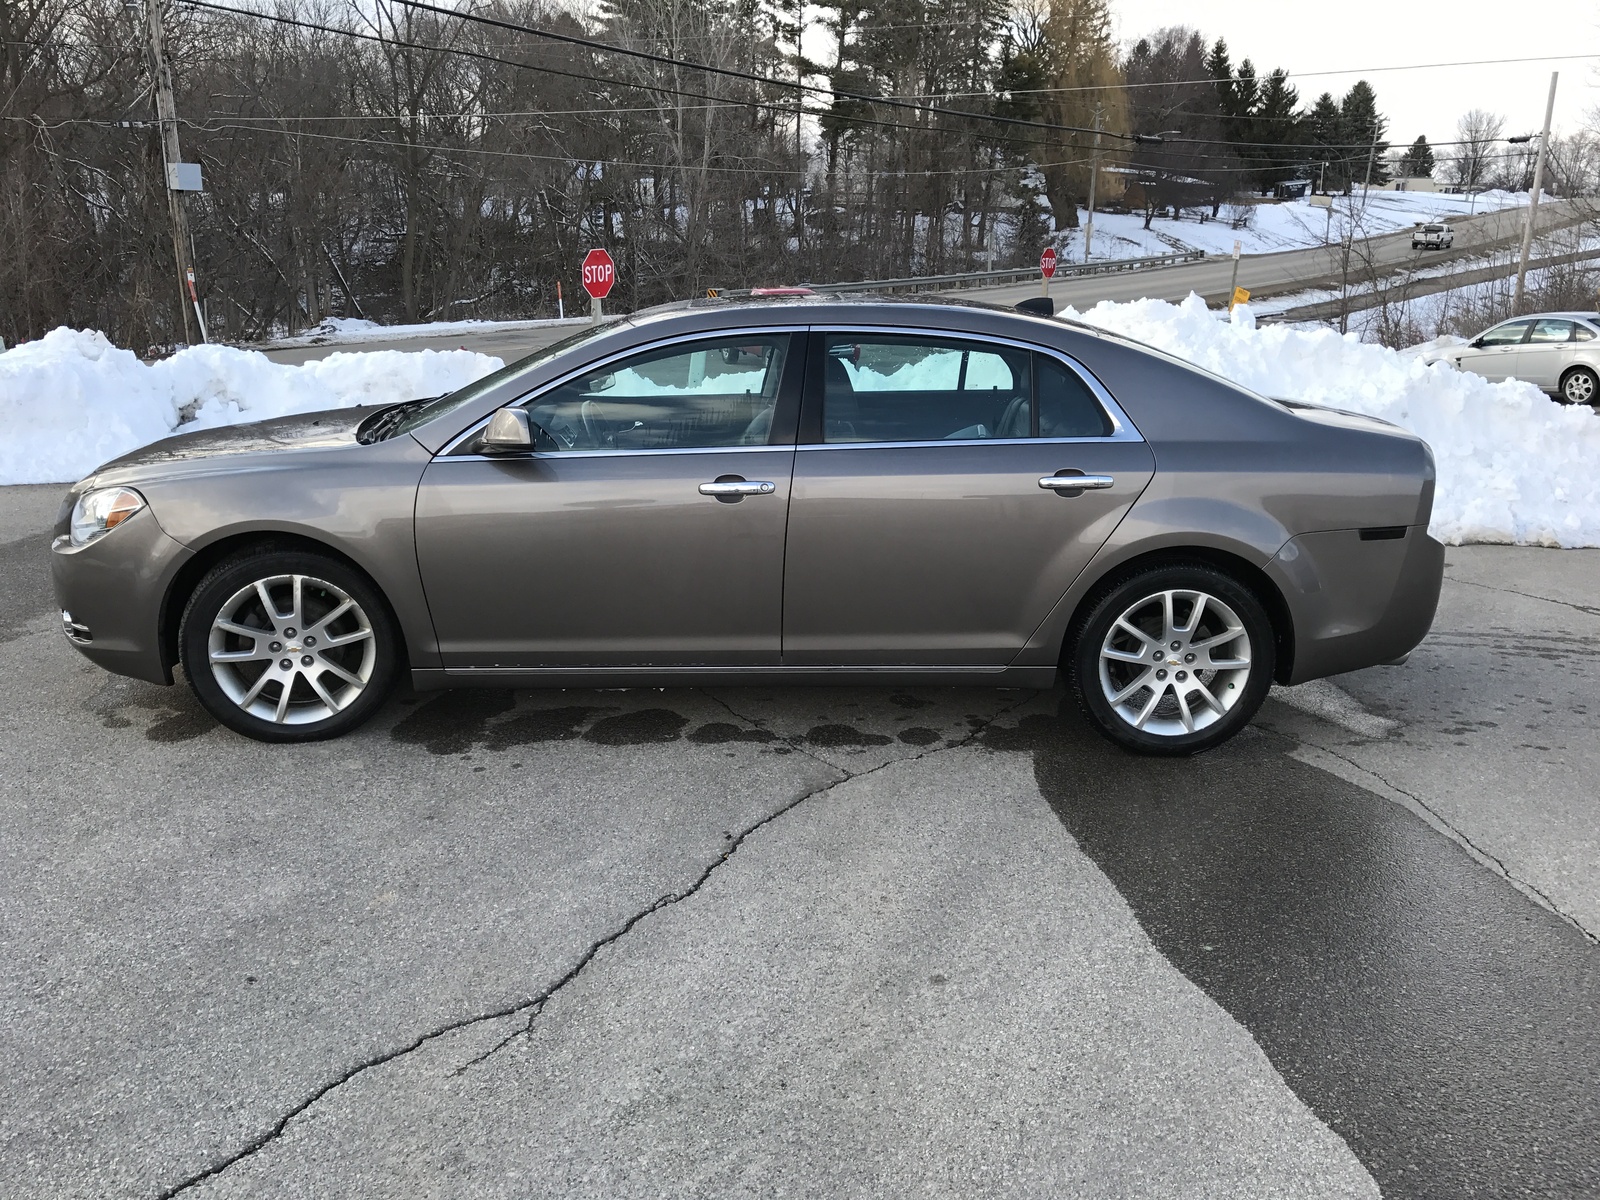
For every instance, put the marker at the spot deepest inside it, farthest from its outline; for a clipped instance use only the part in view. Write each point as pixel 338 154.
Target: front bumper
pixel 112 591
pixel 1357 602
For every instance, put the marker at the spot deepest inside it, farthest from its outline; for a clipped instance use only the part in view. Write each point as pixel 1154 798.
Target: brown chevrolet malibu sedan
pixel 774 491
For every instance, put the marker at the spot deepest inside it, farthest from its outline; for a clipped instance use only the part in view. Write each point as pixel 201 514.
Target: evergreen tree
pixel 1324 126
pixel 1417 162
pixel 1363 128
pixel 1277 129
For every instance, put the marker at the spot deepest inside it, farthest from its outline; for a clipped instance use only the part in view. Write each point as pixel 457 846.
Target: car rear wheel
pixel 288 646
pixel 1173 660
pixel 1580 386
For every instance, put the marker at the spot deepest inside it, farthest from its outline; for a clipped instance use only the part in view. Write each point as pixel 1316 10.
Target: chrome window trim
pixel 1080 441
pixel 1122 427
pixel 472 430
pixel 563 455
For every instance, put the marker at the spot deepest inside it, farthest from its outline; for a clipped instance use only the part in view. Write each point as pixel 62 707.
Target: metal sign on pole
pixel 1533 196
pixel 599 274
pixel 1047 266
pixel 1233 287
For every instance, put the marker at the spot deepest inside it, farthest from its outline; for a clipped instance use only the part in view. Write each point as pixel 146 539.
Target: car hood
pixel 187 453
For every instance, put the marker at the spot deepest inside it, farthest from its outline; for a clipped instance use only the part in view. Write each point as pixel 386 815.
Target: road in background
pixel 1261 274
pixel 1289 270
pixel 509 343
pixel 888 941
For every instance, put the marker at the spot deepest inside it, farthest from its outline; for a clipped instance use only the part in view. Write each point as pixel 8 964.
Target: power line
pixel 1289 77
pixel 716 101
pixel 574 160
pixel 731 73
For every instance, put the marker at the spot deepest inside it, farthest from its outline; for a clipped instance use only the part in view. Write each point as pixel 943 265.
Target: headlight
pixel 99 512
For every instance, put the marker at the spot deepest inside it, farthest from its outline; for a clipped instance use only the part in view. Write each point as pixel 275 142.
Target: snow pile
pixel 1514 466
pixel 71 400
pixel 349 330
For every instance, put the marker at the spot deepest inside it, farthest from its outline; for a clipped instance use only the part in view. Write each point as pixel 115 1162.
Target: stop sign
pixel 599 273
pixel 1047 261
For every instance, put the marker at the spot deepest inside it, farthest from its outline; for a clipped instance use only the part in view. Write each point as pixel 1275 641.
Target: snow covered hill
pixel 1290 225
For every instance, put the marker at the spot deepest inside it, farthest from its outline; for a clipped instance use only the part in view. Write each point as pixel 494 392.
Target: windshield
pixel 413 414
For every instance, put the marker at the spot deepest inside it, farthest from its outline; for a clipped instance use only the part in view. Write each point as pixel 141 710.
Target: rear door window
pixel 1067 408
pixel 905 388
pixel 1549 330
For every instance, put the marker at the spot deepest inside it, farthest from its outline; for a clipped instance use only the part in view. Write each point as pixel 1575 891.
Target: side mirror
pixel 1475 344
pixel 508 432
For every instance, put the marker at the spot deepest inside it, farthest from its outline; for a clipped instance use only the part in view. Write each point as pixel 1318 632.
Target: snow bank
pixel 71 400
pixel 1514 466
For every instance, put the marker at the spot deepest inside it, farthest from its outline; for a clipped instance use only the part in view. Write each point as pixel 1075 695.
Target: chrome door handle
pixel 1073 483
pixel 739 487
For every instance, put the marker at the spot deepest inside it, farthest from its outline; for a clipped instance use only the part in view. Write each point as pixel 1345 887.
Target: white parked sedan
pixel 1559 352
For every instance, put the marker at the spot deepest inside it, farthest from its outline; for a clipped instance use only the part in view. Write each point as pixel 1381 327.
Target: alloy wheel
pixel 1175 662
pixel 1579 387
pixel 292 649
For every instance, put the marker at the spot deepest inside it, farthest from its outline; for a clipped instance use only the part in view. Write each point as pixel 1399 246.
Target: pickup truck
pixel 1433 236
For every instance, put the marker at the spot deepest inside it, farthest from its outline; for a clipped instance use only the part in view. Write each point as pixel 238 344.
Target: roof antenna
pixel 1038 306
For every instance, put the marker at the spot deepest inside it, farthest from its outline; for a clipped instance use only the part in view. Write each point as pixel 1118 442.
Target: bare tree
pixel 1477 132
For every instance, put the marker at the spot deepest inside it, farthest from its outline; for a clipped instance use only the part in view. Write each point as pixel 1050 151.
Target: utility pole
pixel 1533 195
pixel 167 118
pixel 1094 177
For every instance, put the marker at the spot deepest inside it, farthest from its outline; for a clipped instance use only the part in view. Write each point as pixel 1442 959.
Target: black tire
pixel 360 642
pixel 1229 605
pixel 1580 386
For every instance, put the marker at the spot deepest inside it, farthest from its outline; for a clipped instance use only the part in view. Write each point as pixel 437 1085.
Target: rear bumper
pixel 1357 603
pixel 111 591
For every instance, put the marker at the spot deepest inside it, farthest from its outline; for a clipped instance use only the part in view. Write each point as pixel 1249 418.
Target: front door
pixel 919 532
pixel 647 528
pixel 1494 355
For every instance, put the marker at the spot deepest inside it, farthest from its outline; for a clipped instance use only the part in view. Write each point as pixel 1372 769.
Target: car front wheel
pixel 288 646
pixel 1173 660
pixel 1580 386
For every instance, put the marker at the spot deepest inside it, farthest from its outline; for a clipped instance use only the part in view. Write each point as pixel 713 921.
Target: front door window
pixel 689 396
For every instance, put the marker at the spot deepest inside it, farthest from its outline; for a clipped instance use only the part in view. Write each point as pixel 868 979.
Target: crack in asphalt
pixel 1492 860
pixel 793 743
pixel 535 1005
pixel 1587 609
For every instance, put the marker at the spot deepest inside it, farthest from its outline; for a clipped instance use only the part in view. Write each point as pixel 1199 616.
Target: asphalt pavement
pixel 807 941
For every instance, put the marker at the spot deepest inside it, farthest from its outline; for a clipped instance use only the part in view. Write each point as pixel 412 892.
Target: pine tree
pixel 1325 127
pixel 1363 132
pixel 1277 129
pixel 1417 162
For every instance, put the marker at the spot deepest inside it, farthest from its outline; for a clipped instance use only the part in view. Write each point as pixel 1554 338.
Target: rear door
pixel 646 529
pixel 919 532
pixel 1547 353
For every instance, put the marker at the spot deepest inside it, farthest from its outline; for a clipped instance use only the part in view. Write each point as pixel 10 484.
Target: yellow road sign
pixel 1240 296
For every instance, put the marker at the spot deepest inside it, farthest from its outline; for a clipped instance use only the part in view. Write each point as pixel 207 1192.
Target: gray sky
pixel 1305 36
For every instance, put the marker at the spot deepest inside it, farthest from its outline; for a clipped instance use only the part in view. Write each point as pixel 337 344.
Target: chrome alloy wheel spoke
pixel 314 662
pixel 1169 684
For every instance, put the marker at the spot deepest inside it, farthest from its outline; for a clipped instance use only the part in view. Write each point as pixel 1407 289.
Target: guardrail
pixel 1009 275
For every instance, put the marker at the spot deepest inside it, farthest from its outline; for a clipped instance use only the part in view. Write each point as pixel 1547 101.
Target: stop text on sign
pixel 599 273
pixel 1047 261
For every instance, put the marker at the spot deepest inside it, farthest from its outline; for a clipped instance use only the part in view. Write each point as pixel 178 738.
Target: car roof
pixel 883 305
pixel 1592 317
